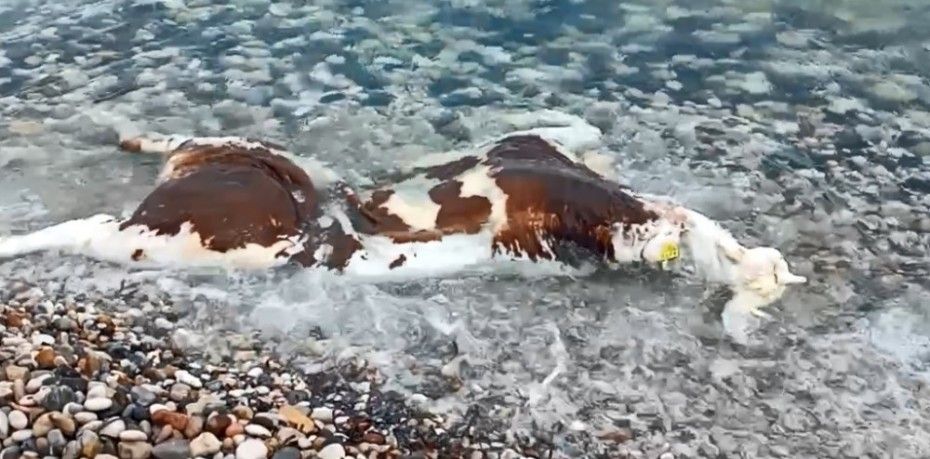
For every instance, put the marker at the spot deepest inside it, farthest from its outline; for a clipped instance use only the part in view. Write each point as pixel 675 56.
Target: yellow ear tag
pixel 668 252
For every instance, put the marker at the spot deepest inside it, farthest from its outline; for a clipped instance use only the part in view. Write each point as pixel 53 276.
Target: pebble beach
pixel 801 125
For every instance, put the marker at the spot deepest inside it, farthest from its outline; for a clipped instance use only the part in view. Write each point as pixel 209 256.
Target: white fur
pixel 100 237
pixel 454 255
pixel 411 202
pixel 478 182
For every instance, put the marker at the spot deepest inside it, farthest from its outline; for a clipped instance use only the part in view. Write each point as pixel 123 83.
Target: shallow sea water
pixel 803 125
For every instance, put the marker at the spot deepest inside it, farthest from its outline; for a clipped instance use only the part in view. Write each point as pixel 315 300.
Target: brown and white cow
pixel 246 204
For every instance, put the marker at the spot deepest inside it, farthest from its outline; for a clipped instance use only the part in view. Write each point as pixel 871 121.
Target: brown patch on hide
pixel 231 196
pixel 381 220
pixel 137 254
pixel 551 199
pixel 344 246
pixel 377 220
pixel 458 214
pixel 398 262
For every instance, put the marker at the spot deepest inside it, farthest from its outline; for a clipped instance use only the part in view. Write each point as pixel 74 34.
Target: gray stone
pixel 143 396
pixel 180 392
pixel 12 452
pixel 72 450
pixel 172 449
pixel 287 453
pixel 58 397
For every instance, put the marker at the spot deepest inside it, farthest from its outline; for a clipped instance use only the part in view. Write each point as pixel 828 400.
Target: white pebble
pixel 255 372
pixel 332 451
pixel 156 407
pixel 322 414
pixel 84 417
pixel 41 339
pixel 133 435
pixel 256 430
pixel 96 390
pixel 252 449
pixel 113 429
pixel 98 404
pixel 21 435
pixel 4 426
pixel 18 420
pixel 35 383
pixel 189 379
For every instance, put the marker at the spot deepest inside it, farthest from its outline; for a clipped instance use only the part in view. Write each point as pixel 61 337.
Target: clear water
pixel 804 125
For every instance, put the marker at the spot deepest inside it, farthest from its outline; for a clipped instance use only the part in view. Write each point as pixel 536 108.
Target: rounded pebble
pixel 98 404
pixel 251 449
pixel 332 451
pixel 18 420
